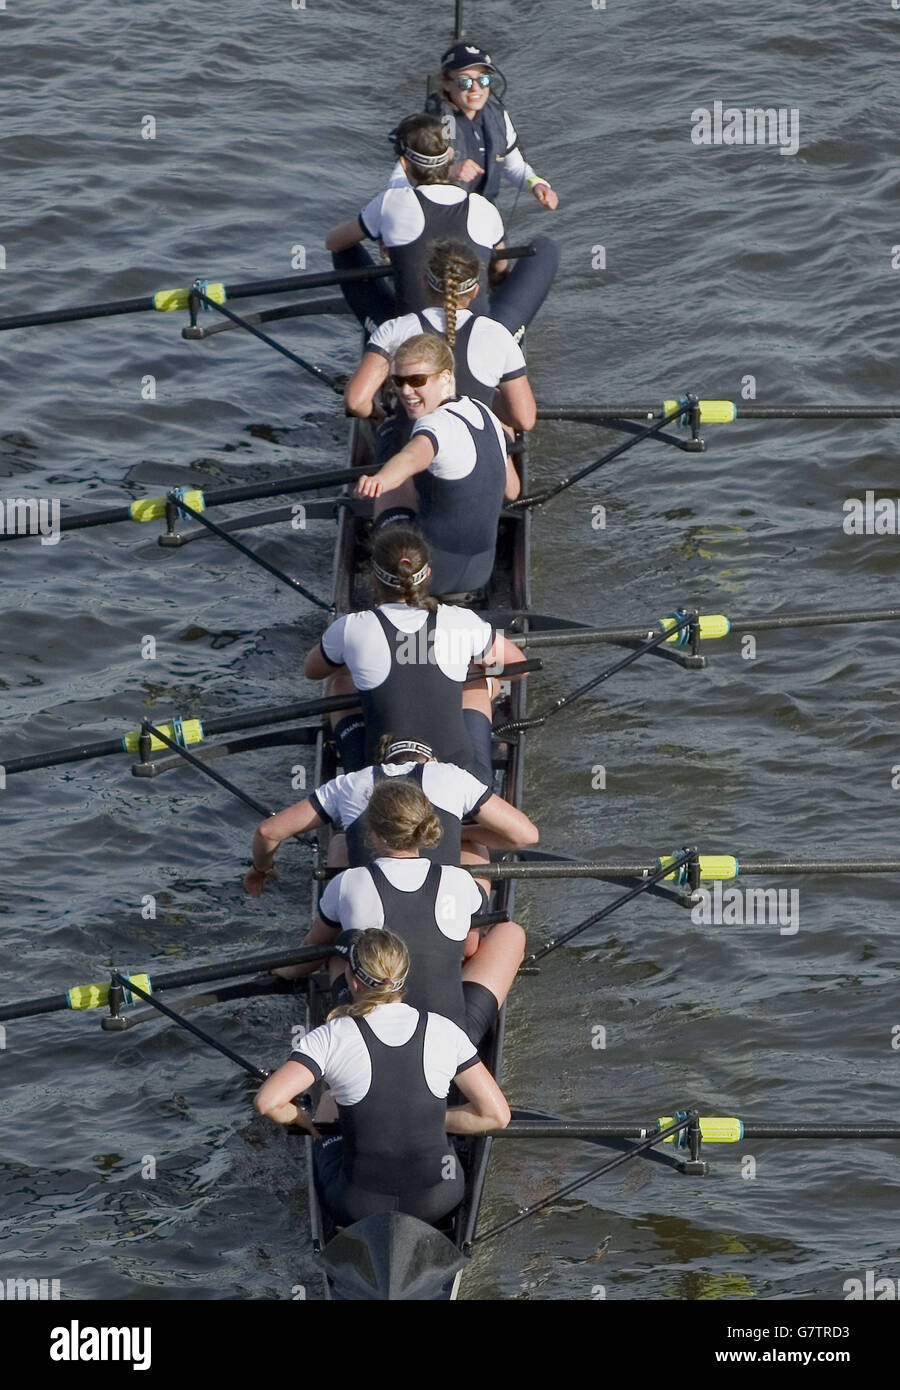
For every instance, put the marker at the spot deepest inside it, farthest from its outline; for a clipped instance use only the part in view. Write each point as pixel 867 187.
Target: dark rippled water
pixel 722 263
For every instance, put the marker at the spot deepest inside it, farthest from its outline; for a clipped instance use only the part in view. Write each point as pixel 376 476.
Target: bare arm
pixel 512 483
pixel 345 235
pixel 270 834
pixel 498 268
pixel 316 668
pixel 275 1098
pixel 502 826
pixel 487 1107
pixel 501 653
pixel 319 934
pixel 413 458
pixel 370 375
pixel 517 404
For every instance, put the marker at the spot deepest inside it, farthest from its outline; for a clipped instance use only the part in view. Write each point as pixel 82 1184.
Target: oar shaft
pixel 554 869
pixel 81 311
pixel 588 414
pixel 777 868
pixel 791 620
pixel 81 753
pixel 179 979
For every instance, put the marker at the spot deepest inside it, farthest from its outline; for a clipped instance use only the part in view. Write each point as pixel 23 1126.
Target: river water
pixel 716 268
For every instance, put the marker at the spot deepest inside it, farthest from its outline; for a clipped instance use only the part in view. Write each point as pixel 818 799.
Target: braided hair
pixel 402 553
pixel 451 265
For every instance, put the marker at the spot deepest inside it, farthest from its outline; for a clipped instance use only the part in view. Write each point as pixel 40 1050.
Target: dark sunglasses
pixel 416 380
pixel 465 84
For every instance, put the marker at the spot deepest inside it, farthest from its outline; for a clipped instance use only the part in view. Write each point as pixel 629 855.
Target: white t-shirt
pixel 358 640
pixel 395 217
pixel 448 787
pixel 493 355
pixel 337 1051
pixel 351 899
pixel 455 452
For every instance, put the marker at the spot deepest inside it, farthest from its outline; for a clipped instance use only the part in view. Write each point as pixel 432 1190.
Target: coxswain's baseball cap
pixel 466 55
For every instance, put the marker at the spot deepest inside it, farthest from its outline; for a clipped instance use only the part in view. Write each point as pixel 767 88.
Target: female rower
pixel 485 143
pixel 455 970
pixel 454 474
pixel 389 1068
pixel 488 363
pixel 453 792
pixel 408 658
pixel 408 219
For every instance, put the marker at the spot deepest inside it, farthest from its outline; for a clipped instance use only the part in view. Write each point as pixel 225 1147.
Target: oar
pixel 714 1129
pixel 674 1128
pixel 156 508
pixel 711 626
pixel 96 996
pixel 717 1129
pixel 718 412
pixel 710 868
pixel 188 732
pixel 515 726
pixel 168 300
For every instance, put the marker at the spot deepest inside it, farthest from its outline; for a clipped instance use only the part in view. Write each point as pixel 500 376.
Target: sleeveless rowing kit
pixel 453 792
pixel 430 907
pixel 461 493
pixel 390 1072
pixel 409 665
pixel 406 220
pixel 485 355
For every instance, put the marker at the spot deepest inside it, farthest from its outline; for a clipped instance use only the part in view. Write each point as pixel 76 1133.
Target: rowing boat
pixel 394 1256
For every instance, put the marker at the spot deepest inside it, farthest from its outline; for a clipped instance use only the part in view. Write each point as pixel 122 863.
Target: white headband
pixel 426 161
